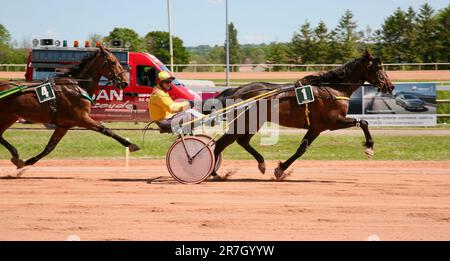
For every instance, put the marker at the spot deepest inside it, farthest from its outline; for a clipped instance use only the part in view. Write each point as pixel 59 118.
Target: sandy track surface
pixel 441 75
pixel 322 200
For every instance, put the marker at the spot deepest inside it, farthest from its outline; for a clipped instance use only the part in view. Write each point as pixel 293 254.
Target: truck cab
pixel 111 103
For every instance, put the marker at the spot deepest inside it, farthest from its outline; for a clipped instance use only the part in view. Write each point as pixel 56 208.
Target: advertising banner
pixel 410 104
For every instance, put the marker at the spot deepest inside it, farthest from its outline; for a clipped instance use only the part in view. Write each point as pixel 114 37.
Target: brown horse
pixel 70 108
pixel 328 112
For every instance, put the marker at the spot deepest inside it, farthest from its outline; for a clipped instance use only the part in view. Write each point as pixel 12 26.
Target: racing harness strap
pixel 308 122
pixel 308 112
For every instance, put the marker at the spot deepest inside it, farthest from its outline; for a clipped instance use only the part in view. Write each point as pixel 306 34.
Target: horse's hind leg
pixel 91 124
pixel 221 144
pixel 244 141
pixel 5 123
pixel 58 134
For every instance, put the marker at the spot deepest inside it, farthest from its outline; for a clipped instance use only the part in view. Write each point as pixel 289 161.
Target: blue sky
pixel 195 21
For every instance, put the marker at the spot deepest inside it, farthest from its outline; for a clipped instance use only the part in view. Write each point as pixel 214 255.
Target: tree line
pixel 155 42
pixel 8 54
pixel 406 36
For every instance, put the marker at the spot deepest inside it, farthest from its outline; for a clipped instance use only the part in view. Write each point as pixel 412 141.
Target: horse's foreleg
pixel 369 141
pixel 310 136
pixel 91 124
pixel 244 141
pixel 352 122
pixel 5 123
pixel 57 135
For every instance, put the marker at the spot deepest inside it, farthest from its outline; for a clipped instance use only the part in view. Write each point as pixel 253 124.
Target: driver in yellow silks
pixel 164 111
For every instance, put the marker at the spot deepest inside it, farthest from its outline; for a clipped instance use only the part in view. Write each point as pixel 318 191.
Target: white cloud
pixel 215 2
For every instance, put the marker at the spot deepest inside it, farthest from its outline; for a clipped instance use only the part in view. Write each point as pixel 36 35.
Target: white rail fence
pixel 301 67
pixel 270 67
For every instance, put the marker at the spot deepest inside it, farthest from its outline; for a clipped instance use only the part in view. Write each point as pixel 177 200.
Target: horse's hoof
pixel 18 162
pixel 133 147
pixel 22 170
pixel 280 174
pixel 369 152
pixel 262 167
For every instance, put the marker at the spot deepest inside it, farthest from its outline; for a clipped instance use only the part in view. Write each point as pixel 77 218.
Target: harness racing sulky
pixel 316 103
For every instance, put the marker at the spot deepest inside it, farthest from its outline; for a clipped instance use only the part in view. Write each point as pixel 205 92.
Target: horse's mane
pixel 341 74
pixel 77 69
pixel 338 75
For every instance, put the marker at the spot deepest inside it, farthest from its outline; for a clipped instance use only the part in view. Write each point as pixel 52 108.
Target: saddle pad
pixel 45 92
pixel 304 94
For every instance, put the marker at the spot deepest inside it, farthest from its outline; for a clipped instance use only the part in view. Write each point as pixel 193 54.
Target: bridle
pixel 115 76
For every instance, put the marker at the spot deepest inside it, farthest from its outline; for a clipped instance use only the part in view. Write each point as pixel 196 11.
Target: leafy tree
pixel 347 38
pixel 217 55
pixel 157 43
pixel 235 48
pixel 5 50
pixel 17 56
pixel 427 42
pixel 277 53
pixel 391 35
pixel 202 50
pixel 443 34
pixel 9 55
pixel 302 45
pixel 5 37
pixel 127 35
pixel 321 44
pixel 406 36
pixel 254 54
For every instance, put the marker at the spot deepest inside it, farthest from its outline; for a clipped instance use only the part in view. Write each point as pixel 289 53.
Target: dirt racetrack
pixel 322 200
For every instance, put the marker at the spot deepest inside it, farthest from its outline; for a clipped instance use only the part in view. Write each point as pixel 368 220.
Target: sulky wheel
pixel 189 160
pixel 212 145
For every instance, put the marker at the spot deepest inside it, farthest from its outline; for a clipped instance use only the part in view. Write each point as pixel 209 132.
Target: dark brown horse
pixel 328 112
pixel 70 108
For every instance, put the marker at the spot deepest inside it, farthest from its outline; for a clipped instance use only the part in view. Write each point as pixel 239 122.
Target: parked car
pixel 410 102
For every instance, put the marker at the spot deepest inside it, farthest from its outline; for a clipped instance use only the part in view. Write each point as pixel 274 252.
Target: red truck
pixel 111 104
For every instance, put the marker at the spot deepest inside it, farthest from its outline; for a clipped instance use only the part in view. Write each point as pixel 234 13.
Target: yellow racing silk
pixel 161 106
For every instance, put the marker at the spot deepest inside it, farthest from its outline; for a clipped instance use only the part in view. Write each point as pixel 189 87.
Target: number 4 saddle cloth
pixel 48 90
